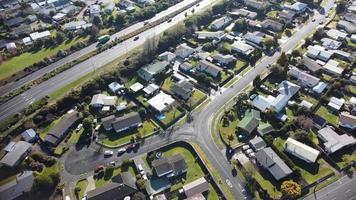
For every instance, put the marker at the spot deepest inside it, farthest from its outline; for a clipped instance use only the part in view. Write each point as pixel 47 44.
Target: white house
pixel 40 35
pixel 242 48
pixel 220 23
pixel 332 66
pixel 100 100
pixel 305 79
pixel 332 141
pixel 336 103
pixel 161 101
pixel 347 120
pixel 301 150
pixel 298 7
pixel 336 34
pixel 183 51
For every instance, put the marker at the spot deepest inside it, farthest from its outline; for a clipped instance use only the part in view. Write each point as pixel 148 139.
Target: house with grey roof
pixel 330 43
pixel 347 120
pixel 269 160
pixel 298 7
pixel 170 167
pixel 224 59
pixel 208 68
pixel 349 27
pixel 257 143
pixel 304 78
pixel 256 5
pixel 243 13
pixel 121 186
pixel 183 51
pixel 332 141
pixel 272 25
pixel 150 71
pixel 242 48
pixel 319 52
pixel 254 38
pixel 29 135
pixel 311 65
pixel 128 121
pixel 17 187
pixel 15 153
pixel 336 34
pixel 198 186
pixel 183 89
pixel 287 16
pixel 209 35
pixel 220 23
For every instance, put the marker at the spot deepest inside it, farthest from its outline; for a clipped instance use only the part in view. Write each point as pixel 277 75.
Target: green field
pixel 15 64
pixel 108 174
pixel 328 115
pixel 82 184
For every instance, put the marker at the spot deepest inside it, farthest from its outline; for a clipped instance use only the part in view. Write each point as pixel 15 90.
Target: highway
pixel 198 131
pixel 20 102
pixel 76 55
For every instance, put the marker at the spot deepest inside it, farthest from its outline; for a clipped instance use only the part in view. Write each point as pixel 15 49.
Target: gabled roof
pixel 301 150
pixel 107 121
pixel 16 188
pixel 257 143
pixel 311 64
pixel 303 77
pixel 264 128
pixel 15 153
pixel 272 25
pixel 196 187
pixel 126 121
pixel 347 120
pixel 336 34
pixel 209 68
pixel 151 70
pixel 333 141
pixel 161 101
pixel 273 163
pixel 183 89
pixel 162 166
pixel 250 121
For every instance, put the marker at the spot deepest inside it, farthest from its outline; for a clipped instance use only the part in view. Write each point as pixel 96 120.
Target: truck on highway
pixel 104 38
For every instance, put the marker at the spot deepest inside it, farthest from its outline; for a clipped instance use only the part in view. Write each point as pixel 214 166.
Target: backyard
pixel 328 115
pixel 82 184
pixel 111 138
pixel 196 98
pixel 170 115
pixel 110 172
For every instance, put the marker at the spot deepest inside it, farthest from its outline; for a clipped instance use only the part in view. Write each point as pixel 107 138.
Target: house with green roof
pixel 250 121
pixel 264 128
pixel 150 71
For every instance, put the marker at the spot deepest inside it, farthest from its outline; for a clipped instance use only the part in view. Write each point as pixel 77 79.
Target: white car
pixel 140 169
pixel 144 177
pixel 112 163
pixel 121 150
pixel 79 127
pixel 108 153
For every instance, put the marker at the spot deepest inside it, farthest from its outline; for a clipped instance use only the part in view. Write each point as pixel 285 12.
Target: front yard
pixel 196 98
pixel 109 172
pixel 170 115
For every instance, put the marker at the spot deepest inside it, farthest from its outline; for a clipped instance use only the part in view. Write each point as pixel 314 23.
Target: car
pixel 169 20
pixel 145 23
pixel 144 177
pixel 99 168
pixel 108 153
pixel 112 163
pixel 121 150
pixel 136 38
pixel 79 127
pixel 321 22
pixel 140 169
pixel 313 20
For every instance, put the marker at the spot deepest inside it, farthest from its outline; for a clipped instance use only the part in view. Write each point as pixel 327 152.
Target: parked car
pixel 108 153
pixel 99 168
pixel 140 170
pixel 121 150
pixel 136 38
pixel 112 163
pixel 79 127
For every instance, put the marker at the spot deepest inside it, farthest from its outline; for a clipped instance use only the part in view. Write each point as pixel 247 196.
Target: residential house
pixel 209 35
pixel 250 121
pixel 183 89
pixel 40 35
pixel 136 87
pixel 16 188
pixel 343 55
pixel 76 25
pixel 149 72
pixel 336 34
pixel 167 56
pixel 13 22
pixel 334 142
pixel 311 65
pixel 301 150
pixel 208 68
pixel 11 46
pixel 272 25
pixel 15 153
pixel 107 122
pixel 128 121
pixel 224 59
pixel 121 186
pixel 220 23
pixel 183 51
pixel 57 133
pixel 318 52
pixel 100 100
pixel 161 101
pixel 349 27
pixel 270 161
pixel 170 167
pixel 336 103
pixel 351 17
pixel 198 186
pixel 332 67
pixel 256 5
pixel 257 143
pixel 151 89
pixel 298 7
pixel 347 120
pixel 304 79
pixel 306 104
pixel 330 43
pixel 264 128
pixel 185 67
pixel 94 10
pixel 319 88
pixel 242 48
pixel 255 39
pixel 287 16
pixel 286 91
pixel 29 135
pixel 243 13
pixel 20 31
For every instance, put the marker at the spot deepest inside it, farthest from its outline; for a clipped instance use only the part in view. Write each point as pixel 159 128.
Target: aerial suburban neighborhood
pixel 177 99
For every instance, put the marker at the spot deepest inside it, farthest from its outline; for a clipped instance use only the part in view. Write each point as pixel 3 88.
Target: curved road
pixel 199 130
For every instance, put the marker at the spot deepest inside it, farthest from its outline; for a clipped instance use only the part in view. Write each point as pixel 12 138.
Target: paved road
pixel 344 188
pixel 75 56
pixel 20 102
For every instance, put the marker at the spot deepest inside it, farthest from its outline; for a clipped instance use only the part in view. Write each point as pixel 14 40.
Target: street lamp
pixel 317 183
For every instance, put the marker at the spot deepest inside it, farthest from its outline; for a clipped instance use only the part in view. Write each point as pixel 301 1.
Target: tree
pixel 141 184
pixel 296 53
pixel 257 81
pixel 138 196
pixel 341 6
pixel 269 139
pixel 60 37
pixel 269 42
pixel 97 21
pixel 120 19
pixel 218 8
pixel 240 25
pixel 283 60
pixel 291 189
pixel 301 135
pixel 208 46
pixel 88 124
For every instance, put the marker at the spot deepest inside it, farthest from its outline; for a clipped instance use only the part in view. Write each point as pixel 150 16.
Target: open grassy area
pixel 143 100
pixel 167 84
pixel 82 184
pixel 229 131
pixel 328 115
pixel 112 138
pixel 194 172
pixel 223 76
pixel 17 63
pixel 349 43
pixel 75 136
pixel 196 98
pixel 264 179
pixel 273 14
pixel 170 115
pixel 109 173
pixel 240 64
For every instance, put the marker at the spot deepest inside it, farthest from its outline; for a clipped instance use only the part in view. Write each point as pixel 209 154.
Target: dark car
pixel 99 168
pixel 136 38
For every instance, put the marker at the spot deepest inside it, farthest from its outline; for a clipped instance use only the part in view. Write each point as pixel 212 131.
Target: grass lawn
pixel 24 60
pixel 352 88
pixel 194 170
pixel 289 114
pixel 240 64
pixel 326 77
pixel 223 76
pixel 349 43
pixel 108 174
pixel 273 14
pixel 75 136
pixel 264 179
pixel 170 115
pixel 82 184
pixel 328 115
pixel 344 158
pixel 112 138
pixel 196 98
pixel 142 100
pixel 167 84
pixel 48 171
pixel 228 130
